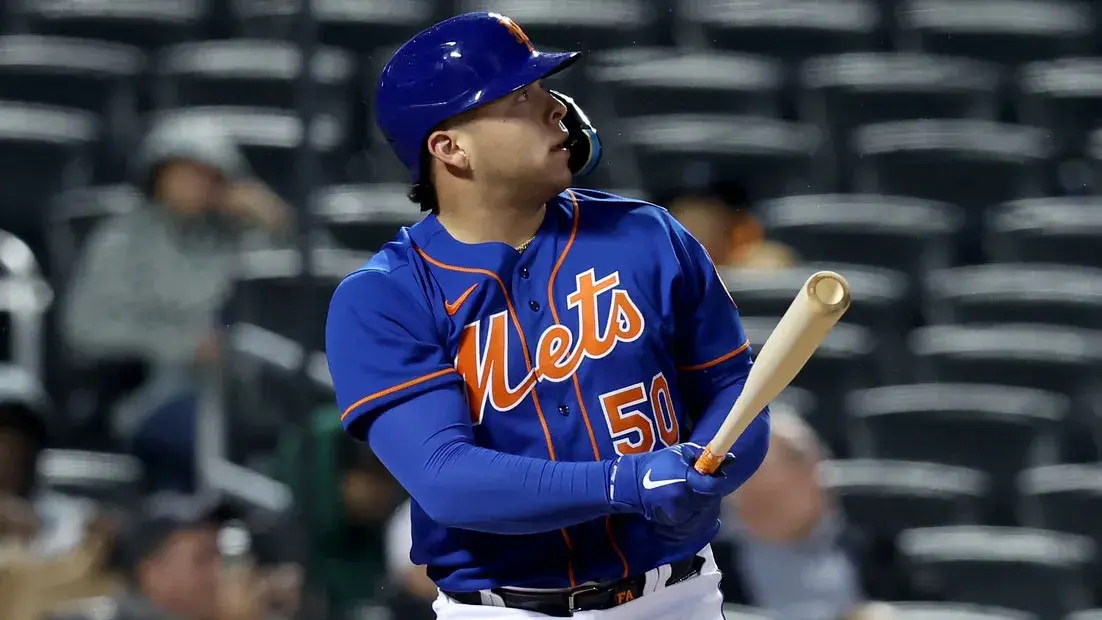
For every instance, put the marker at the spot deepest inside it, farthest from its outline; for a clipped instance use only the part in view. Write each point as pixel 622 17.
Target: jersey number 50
pixel 633 431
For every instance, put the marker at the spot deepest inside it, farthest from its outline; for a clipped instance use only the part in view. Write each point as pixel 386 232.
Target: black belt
pixel 563 604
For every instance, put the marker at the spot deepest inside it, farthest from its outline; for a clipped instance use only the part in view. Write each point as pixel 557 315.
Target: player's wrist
pixel 623 489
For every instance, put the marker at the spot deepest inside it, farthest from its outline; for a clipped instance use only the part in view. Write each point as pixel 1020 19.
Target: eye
pixel 523 95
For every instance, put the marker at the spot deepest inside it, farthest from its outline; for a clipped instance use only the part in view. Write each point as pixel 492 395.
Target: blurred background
pixel 183 183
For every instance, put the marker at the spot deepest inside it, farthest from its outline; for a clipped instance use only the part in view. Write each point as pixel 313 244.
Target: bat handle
pixel 709 461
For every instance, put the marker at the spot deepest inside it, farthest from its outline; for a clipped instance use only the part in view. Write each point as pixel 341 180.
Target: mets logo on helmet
pixel 483 356
pixel 515 30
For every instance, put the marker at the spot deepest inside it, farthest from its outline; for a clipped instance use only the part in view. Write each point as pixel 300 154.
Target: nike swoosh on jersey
pixel 452 307
pixel 649 484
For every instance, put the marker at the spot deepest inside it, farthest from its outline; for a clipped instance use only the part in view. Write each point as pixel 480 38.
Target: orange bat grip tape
pixel 709 461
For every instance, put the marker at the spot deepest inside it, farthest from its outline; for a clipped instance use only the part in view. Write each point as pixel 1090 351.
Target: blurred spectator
pixel 151 283
pixel 32 586
pixel 352 497
pixel 786 547
pixel 410 593
pixel 47 522
pixel 181 569
pixel 720 219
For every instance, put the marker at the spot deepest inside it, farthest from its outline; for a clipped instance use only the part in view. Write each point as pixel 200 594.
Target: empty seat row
pixel 1003 30
pixel 882 86
pixel 726 135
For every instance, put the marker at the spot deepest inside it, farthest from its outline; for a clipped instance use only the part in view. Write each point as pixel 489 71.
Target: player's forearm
pixel 427 447
pixel 479 489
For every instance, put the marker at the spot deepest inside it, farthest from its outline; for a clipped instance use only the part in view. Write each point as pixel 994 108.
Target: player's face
pixel 518 139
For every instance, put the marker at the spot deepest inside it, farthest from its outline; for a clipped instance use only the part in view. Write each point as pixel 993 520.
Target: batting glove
pixel 701 524
pixel 663 486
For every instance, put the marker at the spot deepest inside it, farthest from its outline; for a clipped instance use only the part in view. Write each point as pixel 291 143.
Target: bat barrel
pixel 818 306
pixel 829 292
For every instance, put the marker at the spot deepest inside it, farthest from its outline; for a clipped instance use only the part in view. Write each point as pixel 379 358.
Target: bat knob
pixel 709 461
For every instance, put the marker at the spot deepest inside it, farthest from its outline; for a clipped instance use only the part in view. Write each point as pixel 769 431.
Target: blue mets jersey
pixel 611 334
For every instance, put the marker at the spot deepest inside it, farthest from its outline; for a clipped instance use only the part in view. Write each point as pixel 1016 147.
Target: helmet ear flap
pixel 584 143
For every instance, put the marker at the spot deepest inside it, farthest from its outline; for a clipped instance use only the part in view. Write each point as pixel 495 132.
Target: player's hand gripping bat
pixel 822 300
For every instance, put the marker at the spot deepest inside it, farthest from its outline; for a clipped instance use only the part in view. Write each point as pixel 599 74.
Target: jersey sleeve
pixel 382 347
pixel 711 348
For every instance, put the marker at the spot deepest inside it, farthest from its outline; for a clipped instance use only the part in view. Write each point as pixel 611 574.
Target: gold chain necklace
pixel 524 246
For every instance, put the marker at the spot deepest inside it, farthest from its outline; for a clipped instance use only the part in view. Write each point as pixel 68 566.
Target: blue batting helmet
pixel 454 66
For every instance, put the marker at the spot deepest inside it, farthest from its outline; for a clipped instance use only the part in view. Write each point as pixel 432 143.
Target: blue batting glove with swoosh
pixel 663 486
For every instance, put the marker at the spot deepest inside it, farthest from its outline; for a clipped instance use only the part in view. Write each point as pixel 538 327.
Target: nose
pixel 558 109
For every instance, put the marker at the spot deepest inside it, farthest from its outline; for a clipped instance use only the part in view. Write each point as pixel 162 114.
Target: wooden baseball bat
pixel 822 300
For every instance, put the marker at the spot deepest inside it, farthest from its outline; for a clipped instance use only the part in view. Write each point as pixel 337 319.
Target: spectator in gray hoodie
pixel 150 284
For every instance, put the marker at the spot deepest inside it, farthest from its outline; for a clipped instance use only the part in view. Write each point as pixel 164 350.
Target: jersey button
pixel 524 272
pixel 564 410
pixel 534 305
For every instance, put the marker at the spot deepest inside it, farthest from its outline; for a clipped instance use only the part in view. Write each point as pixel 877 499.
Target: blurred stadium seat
pixel 957 611
pixel 1033 570
pixel 1027 293
pixel 1009 32
pixel 1055 358
pixel 574 24
pixel 995 429
pixel 148 24
pixel 905 234
pixel 839 93
pixel 1065 96
pixel 969 163
pixel 793 30
pixel 356 26
pixel 97 77
pixel 1057 230
pixel 253 73
pixel 689 83
pixel 739 612
pixel 886 497
pixel 42 150
pixel 114 479
pixel 364 217
pixel 675 149
pixel 1064 498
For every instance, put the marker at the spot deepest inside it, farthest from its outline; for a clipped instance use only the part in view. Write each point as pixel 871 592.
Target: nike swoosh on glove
pixel 661 485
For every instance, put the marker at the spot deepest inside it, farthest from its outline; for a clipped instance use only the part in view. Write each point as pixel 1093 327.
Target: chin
pixel 561 179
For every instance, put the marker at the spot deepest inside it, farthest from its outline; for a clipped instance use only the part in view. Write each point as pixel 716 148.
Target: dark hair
pixel 423 194
pixel 26 422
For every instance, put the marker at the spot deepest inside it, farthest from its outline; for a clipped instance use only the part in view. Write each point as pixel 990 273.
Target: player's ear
pixel 446 146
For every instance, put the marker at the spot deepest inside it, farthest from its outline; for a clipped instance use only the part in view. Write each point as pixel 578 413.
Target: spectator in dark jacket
pixel 786 546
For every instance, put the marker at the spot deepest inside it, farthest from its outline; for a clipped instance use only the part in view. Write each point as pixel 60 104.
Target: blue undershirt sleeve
pixel 427 443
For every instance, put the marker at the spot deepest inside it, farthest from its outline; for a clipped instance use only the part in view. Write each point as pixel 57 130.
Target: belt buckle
pixel 576 592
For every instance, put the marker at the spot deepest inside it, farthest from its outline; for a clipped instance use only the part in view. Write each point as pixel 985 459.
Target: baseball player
pixel 538 366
